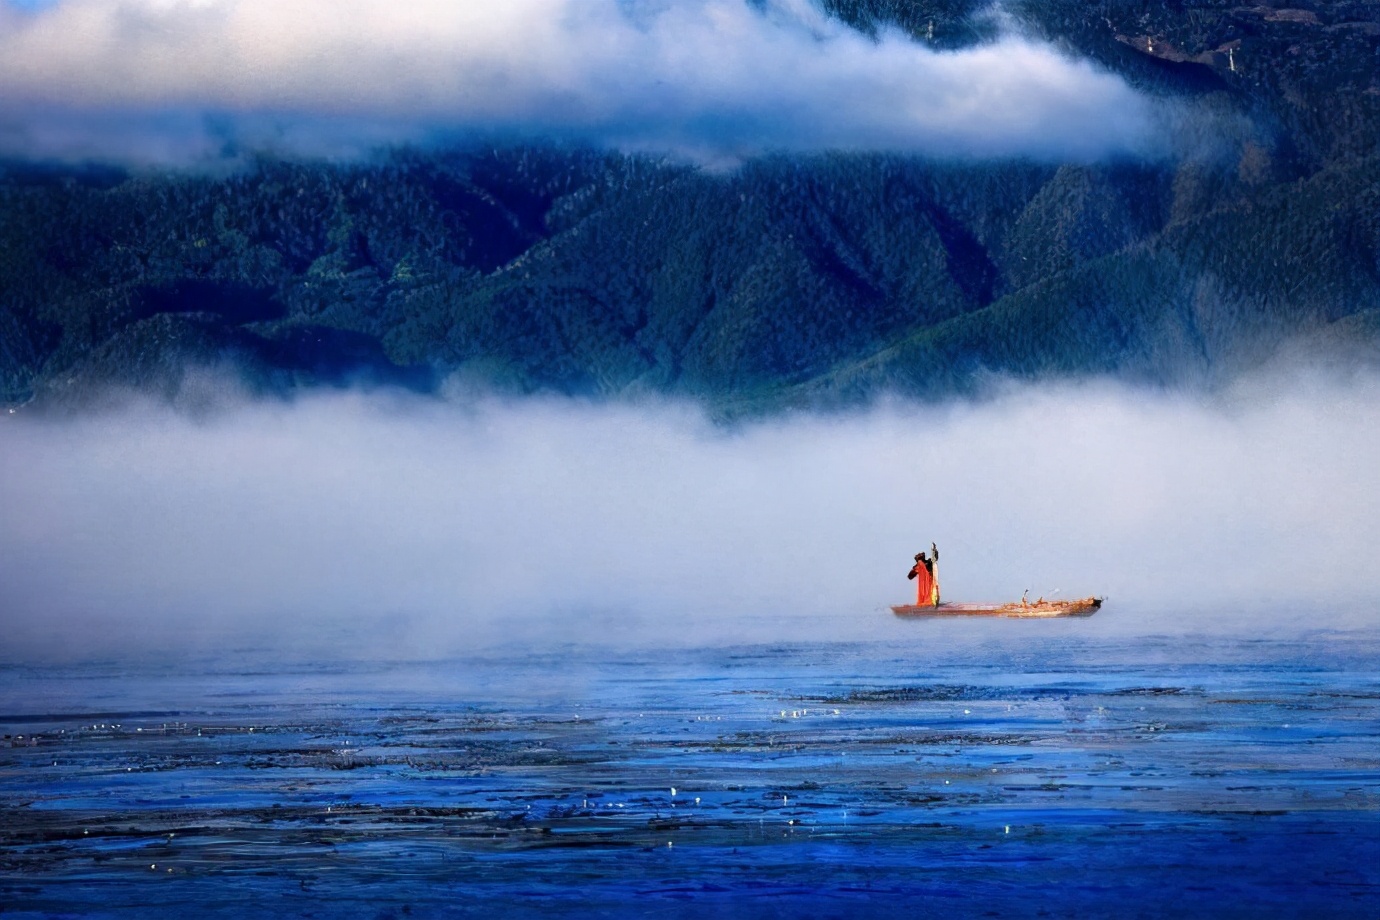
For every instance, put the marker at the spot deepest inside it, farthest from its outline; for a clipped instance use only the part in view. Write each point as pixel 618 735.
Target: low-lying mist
pixel 359 524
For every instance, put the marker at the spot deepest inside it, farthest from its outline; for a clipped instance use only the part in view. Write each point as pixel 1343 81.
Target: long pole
pixel 934 554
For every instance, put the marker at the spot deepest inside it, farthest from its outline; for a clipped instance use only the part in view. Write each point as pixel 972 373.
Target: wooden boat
pixel 1083 607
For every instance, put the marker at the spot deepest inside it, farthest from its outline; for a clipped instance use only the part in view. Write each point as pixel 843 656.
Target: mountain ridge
pixel 789 281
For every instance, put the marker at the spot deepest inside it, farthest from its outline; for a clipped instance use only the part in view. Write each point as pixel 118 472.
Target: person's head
pixel 919 557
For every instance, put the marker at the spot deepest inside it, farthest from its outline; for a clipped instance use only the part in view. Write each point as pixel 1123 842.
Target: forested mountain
pixel 789 280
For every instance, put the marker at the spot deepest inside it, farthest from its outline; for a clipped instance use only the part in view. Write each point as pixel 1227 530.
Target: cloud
pixel 713 79
pixel 354 524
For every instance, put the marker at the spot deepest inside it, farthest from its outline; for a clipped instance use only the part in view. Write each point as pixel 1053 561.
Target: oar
pixel 934 554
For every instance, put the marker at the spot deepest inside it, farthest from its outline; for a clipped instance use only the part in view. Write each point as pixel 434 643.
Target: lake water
pixel 930 769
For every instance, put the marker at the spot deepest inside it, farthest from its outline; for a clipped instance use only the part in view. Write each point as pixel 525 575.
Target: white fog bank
pixel 184 81
pixel 442 526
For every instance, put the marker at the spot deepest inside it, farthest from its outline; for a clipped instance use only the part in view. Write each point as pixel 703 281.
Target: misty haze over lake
pixel 428 526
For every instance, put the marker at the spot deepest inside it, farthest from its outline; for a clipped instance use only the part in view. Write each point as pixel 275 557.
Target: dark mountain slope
pixel 789 280
pixel 1204 299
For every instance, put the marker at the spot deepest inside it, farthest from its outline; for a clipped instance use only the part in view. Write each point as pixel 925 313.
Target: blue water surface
pixel 940 773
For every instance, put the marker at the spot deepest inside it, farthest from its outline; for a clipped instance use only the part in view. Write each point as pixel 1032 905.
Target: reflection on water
pixel 1009 773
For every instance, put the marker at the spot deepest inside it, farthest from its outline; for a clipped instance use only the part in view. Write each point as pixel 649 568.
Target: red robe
pixel 924 585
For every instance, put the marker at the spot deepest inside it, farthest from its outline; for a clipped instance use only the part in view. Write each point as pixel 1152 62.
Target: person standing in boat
pixel 926 581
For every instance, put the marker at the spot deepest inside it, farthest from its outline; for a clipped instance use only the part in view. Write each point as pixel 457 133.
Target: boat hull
pixel 1083 607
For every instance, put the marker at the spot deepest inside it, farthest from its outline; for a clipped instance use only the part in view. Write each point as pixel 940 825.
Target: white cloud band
pixel 713 78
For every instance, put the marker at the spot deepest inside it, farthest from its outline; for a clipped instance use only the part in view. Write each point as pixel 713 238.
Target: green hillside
pixel 788 281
